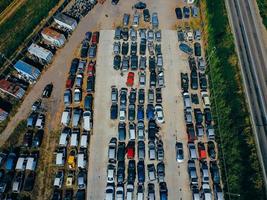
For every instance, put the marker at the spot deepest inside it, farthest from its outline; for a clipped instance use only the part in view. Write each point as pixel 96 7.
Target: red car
pixel 70 82
pixel 95 37
pixel 91 68
pixel 130 79
pixel 130 150
pixel 201 151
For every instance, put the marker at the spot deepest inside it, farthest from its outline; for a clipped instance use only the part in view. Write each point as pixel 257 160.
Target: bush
pixel 262 4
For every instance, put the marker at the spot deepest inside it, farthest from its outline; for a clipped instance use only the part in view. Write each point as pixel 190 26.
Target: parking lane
pixel 174 128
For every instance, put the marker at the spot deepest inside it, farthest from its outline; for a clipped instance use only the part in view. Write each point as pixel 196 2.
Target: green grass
pixel 243 173
pixel 16 29
pixel 4 4
pixel 262 4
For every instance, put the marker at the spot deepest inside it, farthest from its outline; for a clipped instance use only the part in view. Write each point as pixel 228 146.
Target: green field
pixel 262 4
pixel 22 23
pixel 4 4
pixel 240 167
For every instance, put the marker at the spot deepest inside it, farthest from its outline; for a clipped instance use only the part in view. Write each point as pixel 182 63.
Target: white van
pixel 129 191
pixel 84 141
pixel 63 139
pixel 81 160
pixel 74 139
pixel 66 115
pixel 87 120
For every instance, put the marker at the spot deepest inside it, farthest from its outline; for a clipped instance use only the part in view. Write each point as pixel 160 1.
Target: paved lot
pixel 174 128
pixel 104 128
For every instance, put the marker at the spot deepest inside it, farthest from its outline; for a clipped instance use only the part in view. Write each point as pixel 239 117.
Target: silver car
pixel 136 20
pixel 142 79
pixel 150 35
pixel 133 34
pixel 116 48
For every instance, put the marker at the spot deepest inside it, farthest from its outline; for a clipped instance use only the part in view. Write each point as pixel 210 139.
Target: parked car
pixel 133 34
pixel 29 182
pixel 158 37
pixel 159 114
pixel 131 112
pixel 131 171
pixel 133 49
pixel 192 151
pixel 125 63
pixel 161 171
pixel 146 15
pixel 197 49
pixel 112 150
pixel 88 102
pixel 191 132
pixel 110 190
pixel 186 12
pixel 192 172
pixel 110 173
pixel 140 113
pixel 117 62
pixel 214 171
pixel 125 48
pixel 59 178
pixel 82 179
pixel 126 18
pixel 178 12
pixel 116 48
pixel 142 79
pixel 130 149
pixel 37 139
pixel 160 150
pixel 185 48
pixel 201 151
pixel 70 81
pixel 154 20
pixel 152 79
pixel 184 81
pixel 141 171
pixel 92 51
pixel 134 62
pixel 163 190
pixel 142 63
pixel 179 152
pixel 211 150
pixel 121 151
pixel 90 84
pixel 121 131
pixel 121 172
pixel 151 171
pixel 114 111
pixel 204 169
pixel 208 117
pixel 95 37
pixel 141 150
pixel 130 79
pixel 141 96
pixel 77 97
pixel 194 79
pixel 47 90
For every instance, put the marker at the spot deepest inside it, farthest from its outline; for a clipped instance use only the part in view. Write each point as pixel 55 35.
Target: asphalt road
pixel 252 56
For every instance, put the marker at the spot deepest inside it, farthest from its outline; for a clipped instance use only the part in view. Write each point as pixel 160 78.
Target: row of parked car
pixel 131 135
pixel 203 153
pixel 185 12
pixel 18 166
pixel 72 151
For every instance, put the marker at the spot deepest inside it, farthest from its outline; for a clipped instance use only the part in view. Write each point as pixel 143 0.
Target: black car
pixel 146 15
pixel 143 47
pixel 194 80
pixel 114 2
pixel 68 194
pixel 88 102
pixel 211 150
pixel 57 195
pixel 134 62
pixel 88 36
pixel 141 171
pixel 133 48
pixel 121 171
pixel 198 116
pixel 125 33
pixel 114 111
pixel 131 171
pixel 203 81
pixel 37 139
pixel 208 117
pixel 214 171
pixel 158 95
pixel 74 66
pixel 151 190
pixel 192 63
pixel 158 49
pixel 80 195
pixel 47 90
pixel 186 12
pixel 132 96
pixel 163 190
pixel 178 12
pixel 123 96
pixel 184 81
pixel 121 151
pixel 197 49
pixel 124 48
pixel 153 130
pixel 117 62
pixel 131 112
pixel 140 5
pixel 153 79
pixel 84 49
pixel 121 131
pixel 27 139
pixel 152 63
pixel 141 96
pixel 90 84
pixel 29 182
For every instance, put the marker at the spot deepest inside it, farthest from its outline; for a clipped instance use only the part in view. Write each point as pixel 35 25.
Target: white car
pixel 122 114
pixel 116 48
pixel 109 192
pixel 120 192
pixel 129 191
pixel 159 114
pixel 161 81
pixel 111 173
pixel 87 120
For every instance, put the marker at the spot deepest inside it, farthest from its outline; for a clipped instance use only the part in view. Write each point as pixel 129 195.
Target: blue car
pixel 185 48
pixel 186 12
pixel 140 113
pixel 150 112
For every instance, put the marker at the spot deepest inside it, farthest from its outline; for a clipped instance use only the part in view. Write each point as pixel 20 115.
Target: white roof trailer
pixel 40 52
pixel 65 21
